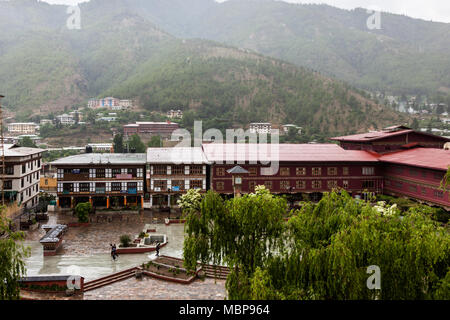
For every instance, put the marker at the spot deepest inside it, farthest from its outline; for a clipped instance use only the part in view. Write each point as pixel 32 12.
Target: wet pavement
pixel 86 250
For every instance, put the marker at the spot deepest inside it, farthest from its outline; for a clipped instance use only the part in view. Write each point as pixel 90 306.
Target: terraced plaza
pixel 85 251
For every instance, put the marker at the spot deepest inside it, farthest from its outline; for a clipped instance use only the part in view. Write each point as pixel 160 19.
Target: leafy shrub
pixel 125 240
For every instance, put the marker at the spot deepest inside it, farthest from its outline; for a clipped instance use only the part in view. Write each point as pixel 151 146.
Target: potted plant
pixel 125 241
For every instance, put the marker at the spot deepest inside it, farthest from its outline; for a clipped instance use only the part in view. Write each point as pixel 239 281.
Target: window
pixel 220 186
pixel 285 185
pixel 253 171
pixel 251 186
pixel 196 169
pixel 160 170
pixel 178 170
pixel 424 191
pixel 9 170
pixel 316 171
pixel 368 171
pixel 412 189
pixel 317 184
pixel 439 194
pixel 268 185
pixel 100 173
pixel 116 171
pixel 220 172
pixel 7 185
pixel 424 173
pixel 399 170
pixel 398 184
pixel 84 187
pixel 178 183
pixel 345 184
pixel 300 171
pixel 332 171
pixel 368 184
pixel 438 176
pixel 284 171
pixel 24 168
pixel 160 184
pixel 116 186
pixel 300 184
pixel 196 184
pixel 22 183
pixel 413 172
pixel 132 171
pixel 345 171
pixel 332 184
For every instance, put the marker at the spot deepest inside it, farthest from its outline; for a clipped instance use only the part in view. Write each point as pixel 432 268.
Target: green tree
pixel 242 232
pixel 82 211
pixel 12 259
pixel 27 142
pixel 136 143
pixel 335 241
pixel 118 143
pixel 155 142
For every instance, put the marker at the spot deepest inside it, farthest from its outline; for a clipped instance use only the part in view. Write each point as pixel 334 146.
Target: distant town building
pixel 22 174
pixel 260 127
pixel 23 128
pixel 110 103
pixel 45 121
pixel 65 119
pixel 105 147
pixel 107 119
pixel 163 129
pixel 175 114
pixel 287 127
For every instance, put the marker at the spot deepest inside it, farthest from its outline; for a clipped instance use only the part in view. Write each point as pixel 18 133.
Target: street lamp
pixel 237 172
pixel 168 199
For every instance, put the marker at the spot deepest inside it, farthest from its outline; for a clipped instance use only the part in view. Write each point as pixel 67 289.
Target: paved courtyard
pixel 86 252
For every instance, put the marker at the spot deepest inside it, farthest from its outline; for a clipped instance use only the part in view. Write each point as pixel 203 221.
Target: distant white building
pixel 110 103
pixel 66 119
pixel 108 147
pixel 107 119
pixel 260 127
pixel 23 128
pixel 287 127
pixel 446 120
pixel 46 121
pixel 175 114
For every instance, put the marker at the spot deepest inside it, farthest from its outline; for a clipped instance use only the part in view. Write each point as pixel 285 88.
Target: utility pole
pixel 2 147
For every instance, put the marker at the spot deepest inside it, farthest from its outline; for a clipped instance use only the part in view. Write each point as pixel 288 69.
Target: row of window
pixel 416 189
pixel 180 184
pixel 301 184
pixel 177 170
pixel 416 173
pixel 302 171
pixel 102 172
pixel 130 187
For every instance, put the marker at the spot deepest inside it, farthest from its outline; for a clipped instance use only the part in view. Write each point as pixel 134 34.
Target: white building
pixel 23 128
pixel 65 119
pixel 287 127
pixel 22 174
pixel 178 114
pixel 260 127
pixel 46 121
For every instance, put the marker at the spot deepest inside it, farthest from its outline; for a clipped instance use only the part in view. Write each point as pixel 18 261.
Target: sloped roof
pixel 231 153
pixel 377 135
pixel 103 158
pixel 176 155
pixel 13 150
pixel 438 159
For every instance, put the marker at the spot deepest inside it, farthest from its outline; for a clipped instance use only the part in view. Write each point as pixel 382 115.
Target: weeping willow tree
pixel 445 183
pixel 335 241
pixel 242 233
pixel 12 255
pixel 323 252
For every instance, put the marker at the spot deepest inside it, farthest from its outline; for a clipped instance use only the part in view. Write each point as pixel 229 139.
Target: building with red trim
pixel 391 139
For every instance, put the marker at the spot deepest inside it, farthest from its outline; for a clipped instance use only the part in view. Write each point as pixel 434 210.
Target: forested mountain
pixel 124 51
pixel 406 55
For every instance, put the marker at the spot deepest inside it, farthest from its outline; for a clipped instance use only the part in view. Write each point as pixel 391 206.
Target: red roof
pixel 377 135
pixel 371 136
pixel 231 153
pixel 420 157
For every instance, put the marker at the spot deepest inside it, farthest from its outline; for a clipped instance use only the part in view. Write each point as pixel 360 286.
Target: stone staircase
pixel 116 277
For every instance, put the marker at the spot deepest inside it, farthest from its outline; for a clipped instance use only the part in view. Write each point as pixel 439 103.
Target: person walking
pixel 113 251
pixel 157 249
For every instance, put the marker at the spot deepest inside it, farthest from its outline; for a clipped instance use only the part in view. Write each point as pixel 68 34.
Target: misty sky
pixel 436 10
